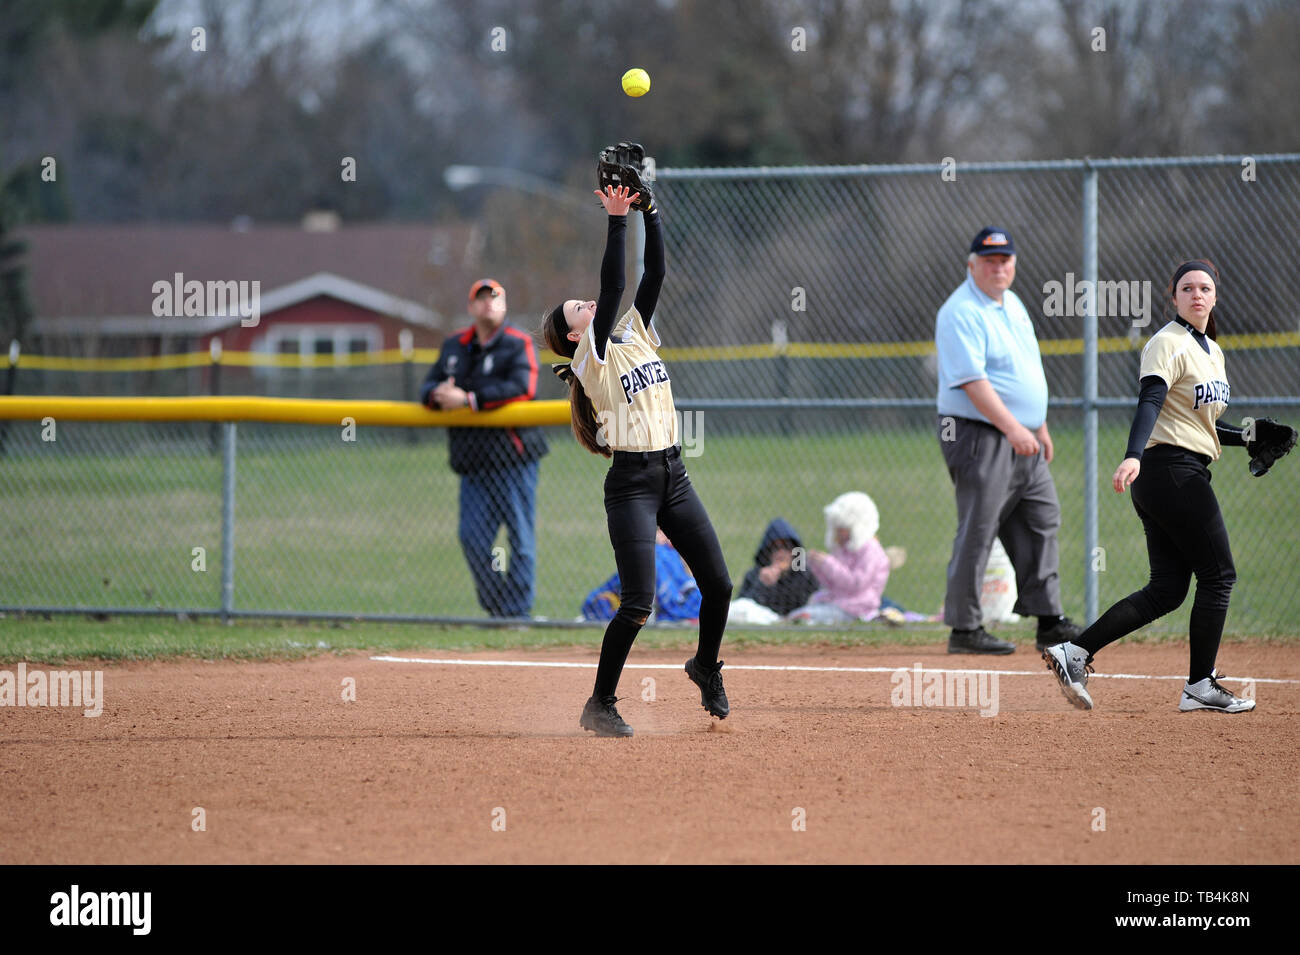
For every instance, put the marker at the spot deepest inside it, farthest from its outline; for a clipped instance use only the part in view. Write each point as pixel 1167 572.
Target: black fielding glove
pixel 624 165
pixel 1271 440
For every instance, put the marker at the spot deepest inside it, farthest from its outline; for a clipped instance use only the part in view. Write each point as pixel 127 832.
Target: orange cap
pixel 482 284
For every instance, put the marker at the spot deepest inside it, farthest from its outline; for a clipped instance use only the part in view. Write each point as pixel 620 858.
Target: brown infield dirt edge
pixel 428 758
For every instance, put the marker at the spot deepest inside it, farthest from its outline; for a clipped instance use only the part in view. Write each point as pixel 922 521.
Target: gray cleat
pixel 1070 664
pixel 1207 694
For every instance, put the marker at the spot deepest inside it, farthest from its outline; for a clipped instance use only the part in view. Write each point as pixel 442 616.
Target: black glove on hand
pixel 1272 440
pixel 624 165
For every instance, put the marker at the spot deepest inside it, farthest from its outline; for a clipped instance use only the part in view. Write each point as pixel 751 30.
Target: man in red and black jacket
pixel 485 366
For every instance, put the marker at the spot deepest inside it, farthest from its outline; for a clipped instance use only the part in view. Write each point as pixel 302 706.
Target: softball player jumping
pixel 621 404
pixel 1174 437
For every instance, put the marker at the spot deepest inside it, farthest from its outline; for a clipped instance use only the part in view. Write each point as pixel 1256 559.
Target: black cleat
pixel 978 640
pixel 712 696
pixel 1064 630
pixel 601 718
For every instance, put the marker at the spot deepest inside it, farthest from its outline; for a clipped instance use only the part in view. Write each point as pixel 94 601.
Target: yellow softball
pixel 636 82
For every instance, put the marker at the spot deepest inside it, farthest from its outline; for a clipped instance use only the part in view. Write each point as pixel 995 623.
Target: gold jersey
pixel 1198 389
pixel 630 389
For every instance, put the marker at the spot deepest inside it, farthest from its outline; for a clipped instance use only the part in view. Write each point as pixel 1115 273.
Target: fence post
pixel 14 351
pixel 214 380
pixel 228 523
pixel 406 342
pixel 1090 585
pixel 781 346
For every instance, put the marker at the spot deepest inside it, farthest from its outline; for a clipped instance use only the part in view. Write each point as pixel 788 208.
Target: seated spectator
pixel 853 574
pixel 677 596
pixel 779 581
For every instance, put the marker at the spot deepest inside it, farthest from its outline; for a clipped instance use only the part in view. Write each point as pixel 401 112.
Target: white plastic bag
pixel 747 611
pixel 998 593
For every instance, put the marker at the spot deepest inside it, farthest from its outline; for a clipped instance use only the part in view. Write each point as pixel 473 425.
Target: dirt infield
pixel 425 760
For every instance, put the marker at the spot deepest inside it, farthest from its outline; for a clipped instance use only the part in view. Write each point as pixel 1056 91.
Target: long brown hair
pixel 1197 265
pixel 582 413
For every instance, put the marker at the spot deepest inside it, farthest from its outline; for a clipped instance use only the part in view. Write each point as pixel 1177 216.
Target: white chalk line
pixel 802 669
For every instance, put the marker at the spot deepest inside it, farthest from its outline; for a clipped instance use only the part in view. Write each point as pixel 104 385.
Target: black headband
pixel 1194 266
pixel 559 323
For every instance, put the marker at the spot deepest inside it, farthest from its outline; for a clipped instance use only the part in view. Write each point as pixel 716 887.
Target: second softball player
pixel 1174 437
pixel 622 407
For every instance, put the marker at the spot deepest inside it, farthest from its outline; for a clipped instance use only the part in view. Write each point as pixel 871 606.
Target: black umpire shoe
pixel 601 718
pixel 712 696
pixel 1064 630
pixel 977 641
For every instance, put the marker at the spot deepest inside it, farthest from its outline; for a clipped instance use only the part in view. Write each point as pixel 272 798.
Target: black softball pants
pixel 644 491
pixel 1186 536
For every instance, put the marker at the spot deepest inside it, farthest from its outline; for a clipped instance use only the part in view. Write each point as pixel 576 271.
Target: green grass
pixel 63 639
pixel 370 527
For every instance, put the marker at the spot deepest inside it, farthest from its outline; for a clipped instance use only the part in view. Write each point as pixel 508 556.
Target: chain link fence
pixel 393 379
pixel 798 319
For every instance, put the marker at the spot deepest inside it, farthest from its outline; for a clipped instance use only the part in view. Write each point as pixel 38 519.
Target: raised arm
pixel 647 293
pixel 616 203
pixel 611 284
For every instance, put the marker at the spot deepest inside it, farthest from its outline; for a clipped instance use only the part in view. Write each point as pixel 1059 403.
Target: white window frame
pixel 306 334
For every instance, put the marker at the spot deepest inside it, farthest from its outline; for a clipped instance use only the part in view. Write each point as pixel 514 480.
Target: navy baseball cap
pixel 992 241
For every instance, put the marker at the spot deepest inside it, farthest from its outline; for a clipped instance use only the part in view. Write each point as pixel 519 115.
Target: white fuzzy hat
pixel 858 513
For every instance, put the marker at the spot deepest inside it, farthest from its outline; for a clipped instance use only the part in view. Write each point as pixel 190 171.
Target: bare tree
pixel 1128 79
pixel 1259 113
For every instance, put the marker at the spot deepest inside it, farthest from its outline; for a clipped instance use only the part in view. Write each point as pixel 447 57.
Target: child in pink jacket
pixel 853 574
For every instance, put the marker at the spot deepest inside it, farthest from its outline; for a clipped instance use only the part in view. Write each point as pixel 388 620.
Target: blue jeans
pixel 487 500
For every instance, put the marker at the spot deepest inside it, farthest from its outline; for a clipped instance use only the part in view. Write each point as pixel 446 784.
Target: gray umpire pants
pixel 1004 495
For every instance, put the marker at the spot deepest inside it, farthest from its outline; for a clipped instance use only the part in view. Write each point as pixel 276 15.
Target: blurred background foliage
pixel 144 126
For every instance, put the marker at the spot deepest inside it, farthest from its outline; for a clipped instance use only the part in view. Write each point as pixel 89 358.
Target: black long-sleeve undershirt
pixel 1229 436
pixel 611 284
pixel 652 268
pixel 612 267
pixel 1150 400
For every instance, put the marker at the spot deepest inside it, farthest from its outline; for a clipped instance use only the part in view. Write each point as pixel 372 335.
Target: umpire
pixel 487 365
pixel 992 404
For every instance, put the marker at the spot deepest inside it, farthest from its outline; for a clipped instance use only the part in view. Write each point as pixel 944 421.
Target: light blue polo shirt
pixel 978 338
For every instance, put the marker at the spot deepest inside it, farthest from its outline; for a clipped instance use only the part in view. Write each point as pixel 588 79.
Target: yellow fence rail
pixel 405 414
pixel 427 356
